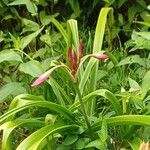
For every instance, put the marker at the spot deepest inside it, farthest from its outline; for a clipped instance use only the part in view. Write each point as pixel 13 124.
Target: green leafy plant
pixel 66 116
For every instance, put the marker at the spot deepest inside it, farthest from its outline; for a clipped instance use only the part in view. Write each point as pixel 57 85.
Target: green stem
pixel 124 105
pixel 21 51
pixel 82 106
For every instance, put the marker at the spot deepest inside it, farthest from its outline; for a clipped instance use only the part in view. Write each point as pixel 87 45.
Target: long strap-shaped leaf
pixel 100 28
pixel 9 127
pixel 33 141
pixel 98 40
pixel 124 119
pixel 73 32
pixel 29 101
pixel 104 93
pixel 71 35
pixel 60 28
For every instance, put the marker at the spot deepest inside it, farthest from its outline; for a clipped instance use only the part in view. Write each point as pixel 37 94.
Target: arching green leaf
pixel 124 119
pixel 9 127
pixel 25 101
pixel 33 141
pixel 104 93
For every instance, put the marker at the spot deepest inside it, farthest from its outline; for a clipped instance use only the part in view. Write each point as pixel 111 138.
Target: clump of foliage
pixel 92 84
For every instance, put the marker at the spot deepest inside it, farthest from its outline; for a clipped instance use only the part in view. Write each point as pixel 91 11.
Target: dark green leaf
pixel 97 144
pixel 82 142
pixel 70 139
pixel 32 68
pixel 27 39
pixel 11 89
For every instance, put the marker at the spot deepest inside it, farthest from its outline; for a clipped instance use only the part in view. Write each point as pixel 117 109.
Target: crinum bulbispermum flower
pixel 75 61
pixel 41 79
pixel 75 58
pixel 73 65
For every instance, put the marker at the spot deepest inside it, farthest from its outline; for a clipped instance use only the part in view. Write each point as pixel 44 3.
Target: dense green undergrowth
pixel 72 77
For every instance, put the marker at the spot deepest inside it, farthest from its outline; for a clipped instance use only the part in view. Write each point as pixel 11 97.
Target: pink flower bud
pixel 74 57
pixel 80 49
pixel 41 79
pixel 74 64
pixel 100 56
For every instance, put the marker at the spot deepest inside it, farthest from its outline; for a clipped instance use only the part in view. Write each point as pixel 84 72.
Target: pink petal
pixel 41 79
pixel 100 56
pixel 70 54
pixel 74 64
pixel 74 57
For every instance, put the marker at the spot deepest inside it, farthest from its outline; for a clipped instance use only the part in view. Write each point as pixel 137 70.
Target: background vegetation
pixel 86 103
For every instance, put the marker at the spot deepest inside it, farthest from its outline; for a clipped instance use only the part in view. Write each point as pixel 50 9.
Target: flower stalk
pixel 82 107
